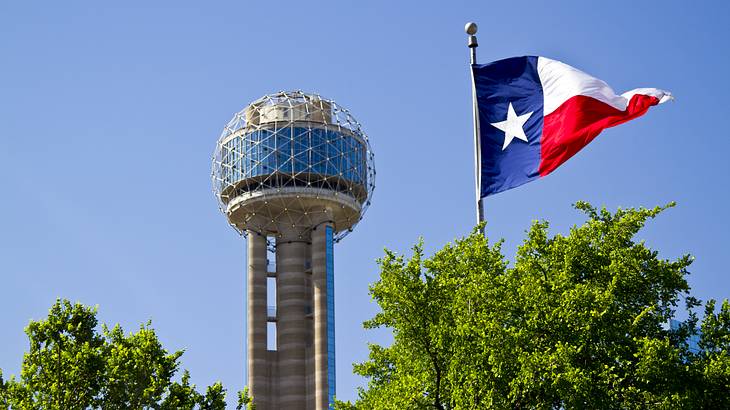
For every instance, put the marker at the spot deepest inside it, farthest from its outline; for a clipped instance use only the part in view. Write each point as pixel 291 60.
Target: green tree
pixel 578 321
pixel 64 367
pixel 138 369
pixel 71 365
pixel 3 400
pixel 245 401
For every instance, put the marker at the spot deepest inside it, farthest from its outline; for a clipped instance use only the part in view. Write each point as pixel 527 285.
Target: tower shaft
pixel 259 367
pixel 292 324
pixel 299 374
pixel 321 322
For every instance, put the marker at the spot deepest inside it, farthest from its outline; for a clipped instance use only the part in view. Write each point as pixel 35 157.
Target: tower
pixel 294 173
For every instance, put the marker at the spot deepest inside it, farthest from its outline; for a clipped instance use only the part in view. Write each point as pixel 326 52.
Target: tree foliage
pixel 578 321
pixel 72 365
pixel 245 401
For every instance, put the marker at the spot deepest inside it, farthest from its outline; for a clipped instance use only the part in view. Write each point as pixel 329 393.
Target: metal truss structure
pixel 289 161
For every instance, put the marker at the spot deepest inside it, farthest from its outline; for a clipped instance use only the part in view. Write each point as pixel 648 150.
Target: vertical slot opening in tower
pixel 271 336
pixel 270 256
pixel 271 297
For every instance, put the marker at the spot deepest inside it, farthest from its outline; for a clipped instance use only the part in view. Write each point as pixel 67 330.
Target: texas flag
pixel 535 113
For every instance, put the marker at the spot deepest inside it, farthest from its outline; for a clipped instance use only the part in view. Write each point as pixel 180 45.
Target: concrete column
pixel 319 285
pixel 310 332
pixel 258 370
pixel 291 323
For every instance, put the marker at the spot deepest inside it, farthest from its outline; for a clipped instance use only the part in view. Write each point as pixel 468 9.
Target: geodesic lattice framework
pixel 285 158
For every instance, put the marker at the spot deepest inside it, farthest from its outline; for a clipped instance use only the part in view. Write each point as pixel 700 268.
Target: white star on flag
pixel 512 126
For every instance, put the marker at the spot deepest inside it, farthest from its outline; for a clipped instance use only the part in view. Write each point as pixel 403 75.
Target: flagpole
pixel 471 30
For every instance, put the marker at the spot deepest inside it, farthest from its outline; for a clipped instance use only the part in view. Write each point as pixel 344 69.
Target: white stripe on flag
pixel 560 82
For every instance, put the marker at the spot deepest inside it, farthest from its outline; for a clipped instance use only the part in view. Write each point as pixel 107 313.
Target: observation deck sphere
pixel 289 161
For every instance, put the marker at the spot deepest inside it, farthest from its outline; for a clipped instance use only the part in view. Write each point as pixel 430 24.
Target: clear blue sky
pixel 109 115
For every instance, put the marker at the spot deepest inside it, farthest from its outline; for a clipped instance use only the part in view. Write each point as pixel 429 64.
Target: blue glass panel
pixel 283 151
pixel 293 151
pixel 300 149
pixel 330 316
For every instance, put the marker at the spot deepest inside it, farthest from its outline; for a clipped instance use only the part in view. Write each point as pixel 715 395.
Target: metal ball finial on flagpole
pixel 471 29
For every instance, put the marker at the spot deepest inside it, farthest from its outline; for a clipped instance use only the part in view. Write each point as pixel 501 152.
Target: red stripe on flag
pixel 578 121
